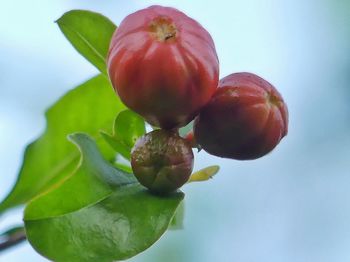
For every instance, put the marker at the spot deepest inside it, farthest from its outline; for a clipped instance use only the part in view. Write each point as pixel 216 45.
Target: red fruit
pixel 245 119
pixel 163 65
pixel 162 161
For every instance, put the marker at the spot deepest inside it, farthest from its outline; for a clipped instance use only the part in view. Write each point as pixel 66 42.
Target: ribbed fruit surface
pixel 245 119
pixel 162 161
pixel 163 65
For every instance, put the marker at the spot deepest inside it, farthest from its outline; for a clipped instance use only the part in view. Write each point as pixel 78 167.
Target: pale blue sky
pixel 292 205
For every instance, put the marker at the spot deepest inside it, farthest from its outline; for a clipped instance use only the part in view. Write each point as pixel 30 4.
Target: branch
pixel 12 237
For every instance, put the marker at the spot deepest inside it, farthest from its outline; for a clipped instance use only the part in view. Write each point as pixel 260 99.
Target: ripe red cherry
pixel 245 119
pixel 162 161
pixel 163 65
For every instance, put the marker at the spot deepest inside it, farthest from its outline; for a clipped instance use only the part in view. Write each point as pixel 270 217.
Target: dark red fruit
pixel 245 119
pixel 162 161
pixel 163 65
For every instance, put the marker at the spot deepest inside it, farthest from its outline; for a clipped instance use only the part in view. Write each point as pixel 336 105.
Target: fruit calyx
pixel 163 29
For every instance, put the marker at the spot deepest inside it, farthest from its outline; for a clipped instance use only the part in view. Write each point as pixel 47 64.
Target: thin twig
pixel 13 239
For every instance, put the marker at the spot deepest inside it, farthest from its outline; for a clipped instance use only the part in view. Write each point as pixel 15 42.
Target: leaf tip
pixel 58 20
pixel 204 174
pixel 77 138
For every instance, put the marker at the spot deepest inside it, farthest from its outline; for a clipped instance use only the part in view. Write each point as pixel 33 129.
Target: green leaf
pixel 120 220
pixel 90 33
pixel 125 168
pixel 177 222
pixel 51 158
pixel 204 174
pixel 116 145
pixel 93 180
pixel 128 127
pixel 117 228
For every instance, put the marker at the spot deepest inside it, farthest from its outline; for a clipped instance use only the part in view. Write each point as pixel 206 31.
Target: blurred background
pixel 292 205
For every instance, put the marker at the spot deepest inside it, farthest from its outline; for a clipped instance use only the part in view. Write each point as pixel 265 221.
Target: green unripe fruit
pixel 162 161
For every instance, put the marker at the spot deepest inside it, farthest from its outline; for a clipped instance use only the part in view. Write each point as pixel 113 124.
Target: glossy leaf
pixel 118 223
pixel 51 158
pixel 89 33
pixel 128 127
pixel 93 180
pixel 204 174
pixel 117 228
pixel 177 222
pixel 125 168
pixel 117 145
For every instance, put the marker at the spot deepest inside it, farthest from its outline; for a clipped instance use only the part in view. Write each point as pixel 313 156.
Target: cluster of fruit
pixel 164 66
